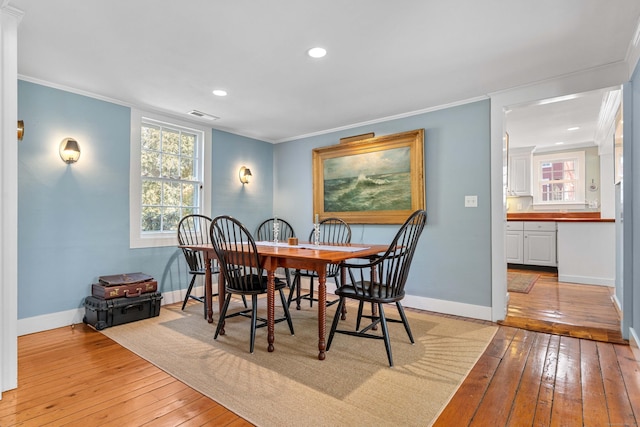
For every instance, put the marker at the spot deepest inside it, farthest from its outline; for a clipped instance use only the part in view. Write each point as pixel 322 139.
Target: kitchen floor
pixel 582 311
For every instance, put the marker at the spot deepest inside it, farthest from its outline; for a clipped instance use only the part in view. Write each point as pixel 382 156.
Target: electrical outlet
pixel 470 201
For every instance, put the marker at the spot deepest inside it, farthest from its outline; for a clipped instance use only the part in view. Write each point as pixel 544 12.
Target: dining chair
pixel 332 230
pixel 381 281
pixel 264 232
pixel 194 230
pixel 240 264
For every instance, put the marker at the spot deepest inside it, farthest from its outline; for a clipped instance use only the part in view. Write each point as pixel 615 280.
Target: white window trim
pixel 149 240
pixel 579 156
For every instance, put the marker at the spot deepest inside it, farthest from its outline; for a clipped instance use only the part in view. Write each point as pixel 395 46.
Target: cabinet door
pixel 514 246
pixel 540 248
pixel 520 175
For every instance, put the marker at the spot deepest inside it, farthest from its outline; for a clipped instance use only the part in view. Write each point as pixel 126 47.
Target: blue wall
pixel 453 260
pixel 73 221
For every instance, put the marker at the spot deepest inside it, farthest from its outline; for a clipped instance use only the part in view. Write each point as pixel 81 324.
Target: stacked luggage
pixel 122 298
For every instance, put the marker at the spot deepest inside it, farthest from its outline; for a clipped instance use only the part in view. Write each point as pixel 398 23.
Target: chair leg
pixel 385 334
pixel 254 318
pixel 334 325
pixel 285 306
pixel 186 297
pixel 244 300
pixel 360 307
pixel 295 287
pixel 405 322
pixel 223 313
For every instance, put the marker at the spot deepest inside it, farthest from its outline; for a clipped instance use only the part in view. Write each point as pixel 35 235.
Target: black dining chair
pixel 332 231
pixel 240 264
pixel 381 281
pixel 194 230
pixel 264 232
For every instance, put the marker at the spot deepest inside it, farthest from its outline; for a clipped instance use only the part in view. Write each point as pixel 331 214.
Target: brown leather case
pixel 124 279
pixel 102 291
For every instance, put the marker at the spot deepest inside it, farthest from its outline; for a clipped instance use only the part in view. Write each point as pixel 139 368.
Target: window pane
pixel 188 194
pixel 150 218
pixel 186 169
pixel 170 165
pixel 150 163
pixel 151 192
pixel 150 137
pixel 170 141
pixel 171 218
pixel 171 194
pixel 188 145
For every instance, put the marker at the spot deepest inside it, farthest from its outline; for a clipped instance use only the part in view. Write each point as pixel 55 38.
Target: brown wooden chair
pixel 332 230
pixel 264 232
pixel 381 281
pixel 240 263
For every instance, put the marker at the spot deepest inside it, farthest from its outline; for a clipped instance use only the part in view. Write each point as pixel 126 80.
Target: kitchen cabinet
pixel 520 172
pixel 531 243
pixel 515 242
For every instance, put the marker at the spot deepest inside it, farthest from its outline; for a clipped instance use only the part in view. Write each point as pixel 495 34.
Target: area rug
pixel 353 386
pixel 521 282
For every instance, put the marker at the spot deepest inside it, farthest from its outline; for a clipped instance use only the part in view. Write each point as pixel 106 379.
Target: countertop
pixel 558 217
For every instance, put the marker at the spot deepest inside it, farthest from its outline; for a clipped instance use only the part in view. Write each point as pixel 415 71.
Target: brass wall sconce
pixel 69 150
pixel 20 130
pixel 244 174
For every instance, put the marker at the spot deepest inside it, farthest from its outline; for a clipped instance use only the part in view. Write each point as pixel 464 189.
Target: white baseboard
pixel 585 280
pixel 46 322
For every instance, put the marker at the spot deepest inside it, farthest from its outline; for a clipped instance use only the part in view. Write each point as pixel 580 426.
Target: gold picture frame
pixel 372 181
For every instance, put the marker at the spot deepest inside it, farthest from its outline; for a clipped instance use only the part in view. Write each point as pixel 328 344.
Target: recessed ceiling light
pixel 317 52
pixel 559 143
pixel 574 128
pixel 220 92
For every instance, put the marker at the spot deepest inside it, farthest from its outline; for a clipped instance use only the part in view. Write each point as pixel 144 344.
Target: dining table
pixel 302 256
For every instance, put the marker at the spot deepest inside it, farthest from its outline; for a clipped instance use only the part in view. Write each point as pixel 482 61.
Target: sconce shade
pixel 20 130
pixel 244 175
pixel 69 150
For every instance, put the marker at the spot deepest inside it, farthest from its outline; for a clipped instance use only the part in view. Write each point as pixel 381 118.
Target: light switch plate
pixel 470 201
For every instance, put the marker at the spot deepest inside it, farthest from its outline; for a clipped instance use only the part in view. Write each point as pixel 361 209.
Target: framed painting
pixel 371 181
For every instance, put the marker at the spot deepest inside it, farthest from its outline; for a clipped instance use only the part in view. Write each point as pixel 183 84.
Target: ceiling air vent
pixel 202 115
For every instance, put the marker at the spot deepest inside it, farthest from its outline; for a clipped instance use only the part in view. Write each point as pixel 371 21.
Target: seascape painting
pixel 376 181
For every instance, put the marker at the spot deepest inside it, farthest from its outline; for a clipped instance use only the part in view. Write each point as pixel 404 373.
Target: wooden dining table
pixel 302 256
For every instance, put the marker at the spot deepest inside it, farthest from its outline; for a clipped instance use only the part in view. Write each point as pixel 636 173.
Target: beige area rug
pixel 290 387
pixel 521 282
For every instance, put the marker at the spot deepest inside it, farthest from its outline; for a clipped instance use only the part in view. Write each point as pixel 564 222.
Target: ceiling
pixel 383 60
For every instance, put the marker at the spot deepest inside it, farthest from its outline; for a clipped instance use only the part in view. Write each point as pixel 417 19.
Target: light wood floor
pixel 582 311
pixel 78 377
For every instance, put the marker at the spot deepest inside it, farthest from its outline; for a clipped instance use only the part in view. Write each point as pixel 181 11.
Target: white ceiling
pixel 384 58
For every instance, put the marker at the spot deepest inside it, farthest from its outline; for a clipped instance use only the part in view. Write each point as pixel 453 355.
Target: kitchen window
pixel 559 179
pixel 168 179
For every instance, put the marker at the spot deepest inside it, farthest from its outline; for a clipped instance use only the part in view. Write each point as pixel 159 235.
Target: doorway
pixel 582 121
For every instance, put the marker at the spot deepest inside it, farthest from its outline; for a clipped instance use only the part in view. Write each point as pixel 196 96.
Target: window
pixel 559 179
pixel 167 178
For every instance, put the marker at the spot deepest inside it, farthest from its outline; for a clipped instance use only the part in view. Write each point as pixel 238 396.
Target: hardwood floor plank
pixel 547 383
pixel 524 404
pixel 619 404
pixel 630 369
pixel 567 396
pixel 495 407
pixel 593 398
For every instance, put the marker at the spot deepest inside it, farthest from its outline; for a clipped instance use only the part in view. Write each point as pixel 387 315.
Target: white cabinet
pixel 531 243
pixel 520 173
pixel 515 242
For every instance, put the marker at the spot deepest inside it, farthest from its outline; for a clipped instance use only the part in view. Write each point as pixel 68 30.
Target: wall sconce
pixel 69 150
pixel 20 130
pixel 244 175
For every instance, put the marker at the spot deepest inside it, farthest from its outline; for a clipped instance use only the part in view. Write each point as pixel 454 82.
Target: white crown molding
pixel 633 50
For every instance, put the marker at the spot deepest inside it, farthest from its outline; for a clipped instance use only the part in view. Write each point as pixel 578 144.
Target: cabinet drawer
pixel 539 226
pixel 515 225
